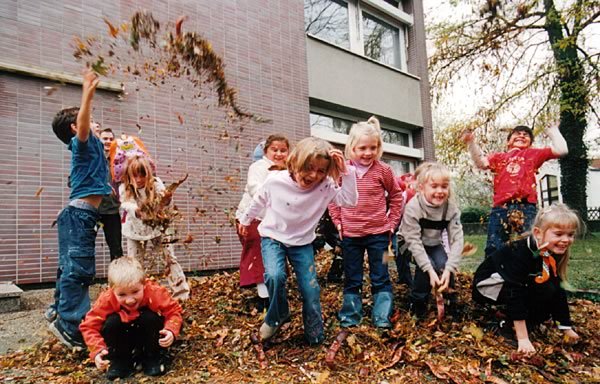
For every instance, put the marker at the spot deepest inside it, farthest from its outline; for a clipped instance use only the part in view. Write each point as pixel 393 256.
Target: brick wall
pixel 262 43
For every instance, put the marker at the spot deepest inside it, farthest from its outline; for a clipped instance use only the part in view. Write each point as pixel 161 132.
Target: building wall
pixel 263 45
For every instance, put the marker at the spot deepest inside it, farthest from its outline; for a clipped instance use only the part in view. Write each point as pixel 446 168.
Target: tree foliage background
pixel 527 62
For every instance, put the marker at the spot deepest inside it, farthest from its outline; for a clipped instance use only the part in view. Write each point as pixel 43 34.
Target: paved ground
pixel 23 329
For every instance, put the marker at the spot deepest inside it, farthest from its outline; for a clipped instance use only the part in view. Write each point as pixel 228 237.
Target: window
pixel 328 20
pixel 322 124
pixel 372 28
pixel 381 41
pixel 549 190
pixel 400 167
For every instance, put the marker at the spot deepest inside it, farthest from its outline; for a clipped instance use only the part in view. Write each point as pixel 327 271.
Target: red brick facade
pixel 262 43
pixel 263 46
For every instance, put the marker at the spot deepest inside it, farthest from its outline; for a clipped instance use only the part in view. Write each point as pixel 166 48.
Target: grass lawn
pixel 583 267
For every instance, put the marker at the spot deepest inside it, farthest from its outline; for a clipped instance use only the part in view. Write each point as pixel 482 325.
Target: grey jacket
pixel 417 237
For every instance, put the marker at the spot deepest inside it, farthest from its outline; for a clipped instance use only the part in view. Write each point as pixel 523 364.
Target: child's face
pixel 129 296
pixel 365 150
pixel 313 175
pixel 139 179
pixel 520 140
pixel 277 152
pixel 106 138
pixel 436 190
pixel 557 240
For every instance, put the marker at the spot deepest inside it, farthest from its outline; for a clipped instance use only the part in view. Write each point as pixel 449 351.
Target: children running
pixel 515 195
pixel 77 223
pixel 139 187
pixel 293 201
pixel 527 275
pixel 425 217
pixel 369 226
pixel 131 322
pixel 275 152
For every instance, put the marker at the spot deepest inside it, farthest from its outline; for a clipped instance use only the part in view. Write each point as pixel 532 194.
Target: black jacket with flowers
pixel 519 263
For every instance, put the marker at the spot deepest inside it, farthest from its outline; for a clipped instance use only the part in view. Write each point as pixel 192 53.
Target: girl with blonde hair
pixel 369 226
pixel 293 201
pixel 527 275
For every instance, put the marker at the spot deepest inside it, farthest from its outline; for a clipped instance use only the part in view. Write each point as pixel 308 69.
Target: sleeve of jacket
pixel 560 308
pixel 456 239
pixel 94 320
pixel 127 205
pixel 411 230
pixel 168 308
pixel 259 202
pixel 257 174
pixel 394 197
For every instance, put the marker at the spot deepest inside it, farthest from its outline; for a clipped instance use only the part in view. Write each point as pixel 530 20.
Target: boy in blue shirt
pixel 77 223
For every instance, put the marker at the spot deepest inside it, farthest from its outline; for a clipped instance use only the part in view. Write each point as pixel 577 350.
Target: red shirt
pixel 370 216
pixel 156 298
pixel 514 173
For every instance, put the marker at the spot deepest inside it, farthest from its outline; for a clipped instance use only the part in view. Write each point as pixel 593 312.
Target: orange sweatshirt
pixel 156 298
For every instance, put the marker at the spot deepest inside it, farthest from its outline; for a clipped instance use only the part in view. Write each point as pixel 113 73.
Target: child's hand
pixel 434 280
pixel 467 136
pixel 167 338
pixel 243 230
pixel 571 336
pixel 525 347
pixel 338 159
pixel 101 363
pixel 552 129
pixel 90 81
pixel 445 280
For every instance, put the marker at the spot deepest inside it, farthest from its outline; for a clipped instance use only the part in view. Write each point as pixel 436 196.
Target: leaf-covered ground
pixel 220 318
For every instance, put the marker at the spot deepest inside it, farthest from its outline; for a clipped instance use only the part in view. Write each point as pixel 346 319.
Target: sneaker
pixel 154 365
pixel 72 342
pixel 50 314
pixel 120 369
pixel 266 331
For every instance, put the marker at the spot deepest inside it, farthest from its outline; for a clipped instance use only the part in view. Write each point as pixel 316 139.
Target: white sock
pixel 263 292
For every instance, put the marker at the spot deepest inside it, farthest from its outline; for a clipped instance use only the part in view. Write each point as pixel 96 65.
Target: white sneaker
pixel 266 331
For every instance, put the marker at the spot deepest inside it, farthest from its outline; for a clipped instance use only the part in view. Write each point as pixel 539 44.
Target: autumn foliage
pixel 216 346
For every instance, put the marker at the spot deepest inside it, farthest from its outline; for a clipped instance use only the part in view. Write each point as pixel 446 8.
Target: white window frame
pixel 383 11
pixel 388 148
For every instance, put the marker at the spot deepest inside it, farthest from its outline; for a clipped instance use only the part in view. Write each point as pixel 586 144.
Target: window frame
pixel 380 10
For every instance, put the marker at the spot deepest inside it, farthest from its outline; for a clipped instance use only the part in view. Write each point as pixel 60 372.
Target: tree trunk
pixel 573 107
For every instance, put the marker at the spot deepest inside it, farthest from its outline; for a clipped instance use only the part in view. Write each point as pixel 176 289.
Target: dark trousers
pixel 112 234
pixel 421 286
pixel 140 335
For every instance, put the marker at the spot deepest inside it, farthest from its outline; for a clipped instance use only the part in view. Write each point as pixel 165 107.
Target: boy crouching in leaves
pixel 131 322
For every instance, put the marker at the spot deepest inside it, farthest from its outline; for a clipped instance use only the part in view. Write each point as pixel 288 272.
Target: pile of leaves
pixel 220 320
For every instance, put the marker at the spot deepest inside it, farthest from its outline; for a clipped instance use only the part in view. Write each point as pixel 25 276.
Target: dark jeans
pixel 403 257
pixel 112 234
pixel 499 228
pixel 77 226
pixel 421 286
pixel 142 334
pixel 354 251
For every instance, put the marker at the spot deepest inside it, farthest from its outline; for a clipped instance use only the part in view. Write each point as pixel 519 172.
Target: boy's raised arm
pixel 90 82
pixel 559 144
pixel 475 152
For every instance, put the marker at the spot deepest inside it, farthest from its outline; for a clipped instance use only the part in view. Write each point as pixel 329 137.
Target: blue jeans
pixel 499 230
pixel 381 286
pixel 302 260
pixel 76 264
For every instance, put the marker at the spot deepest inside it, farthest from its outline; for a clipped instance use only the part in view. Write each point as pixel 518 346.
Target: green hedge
pixel 474 215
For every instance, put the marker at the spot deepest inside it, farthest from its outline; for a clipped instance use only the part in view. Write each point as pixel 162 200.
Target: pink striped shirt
pixel 371 216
